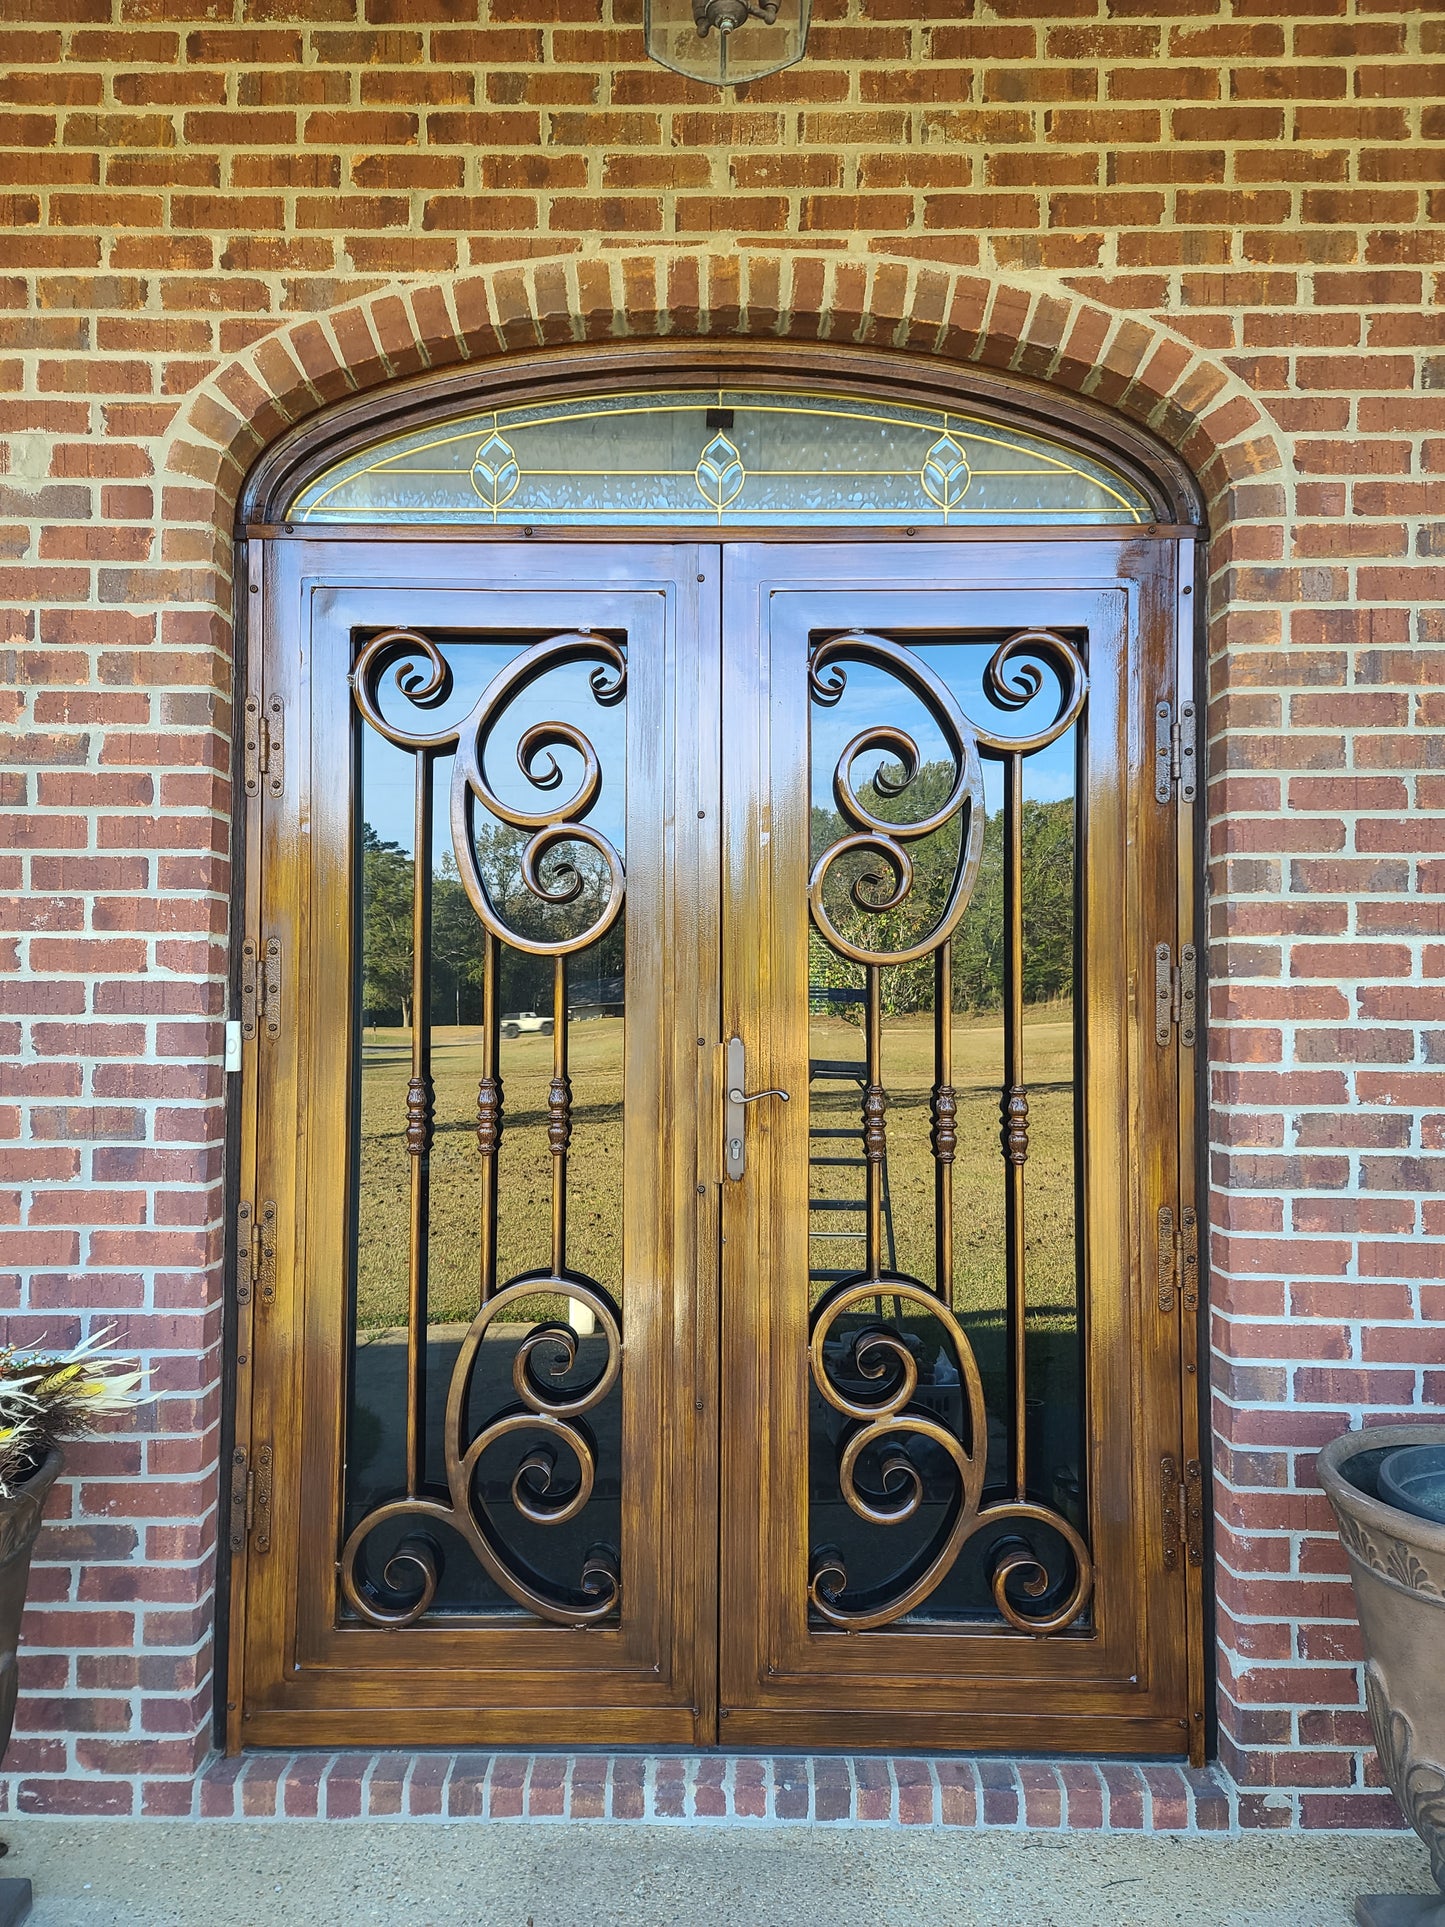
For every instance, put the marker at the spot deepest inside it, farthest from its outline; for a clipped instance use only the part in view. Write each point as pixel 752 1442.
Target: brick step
pixel 743 1789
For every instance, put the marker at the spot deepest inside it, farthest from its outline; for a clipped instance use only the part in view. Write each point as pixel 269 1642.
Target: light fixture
pixel 726 41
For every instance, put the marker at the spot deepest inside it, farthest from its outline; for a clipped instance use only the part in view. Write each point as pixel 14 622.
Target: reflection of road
pixel 376 1456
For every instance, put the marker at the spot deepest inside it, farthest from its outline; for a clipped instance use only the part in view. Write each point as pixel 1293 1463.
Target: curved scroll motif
pixel 1031 1595
pixel 879 890
pixel 553 1416
pixel 879 1355
pixel 878 1352
pixel 424 677
pixel 1013 679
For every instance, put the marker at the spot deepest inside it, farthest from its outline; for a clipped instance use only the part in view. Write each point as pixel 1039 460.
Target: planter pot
pixel 1397 1565
pixel 19 1528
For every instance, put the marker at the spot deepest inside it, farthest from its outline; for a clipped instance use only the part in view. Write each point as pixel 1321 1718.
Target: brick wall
pixel 1217 217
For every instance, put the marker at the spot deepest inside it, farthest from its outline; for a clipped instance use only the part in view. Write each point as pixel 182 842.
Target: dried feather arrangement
pixel 48 1397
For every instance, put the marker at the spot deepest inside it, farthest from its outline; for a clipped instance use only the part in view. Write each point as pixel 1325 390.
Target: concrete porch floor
pixel 315 1874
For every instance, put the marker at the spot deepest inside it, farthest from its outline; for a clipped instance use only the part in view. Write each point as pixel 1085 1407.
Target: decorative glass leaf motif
pixel 720 473
pixel 946 474
pixel 622 459
pixel 495 474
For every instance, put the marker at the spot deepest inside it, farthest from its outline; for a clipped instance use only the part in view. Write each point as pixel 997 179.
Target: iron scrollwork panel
pixel 898 1438
pixel 549 1419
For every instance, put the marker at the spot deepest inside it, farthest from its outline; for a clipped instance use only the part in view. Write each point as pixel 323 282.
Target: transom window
pixel 720 458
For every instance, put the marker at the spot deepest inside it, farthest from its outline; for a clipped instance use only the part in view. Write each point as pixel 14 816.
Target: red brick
pixel 1266 183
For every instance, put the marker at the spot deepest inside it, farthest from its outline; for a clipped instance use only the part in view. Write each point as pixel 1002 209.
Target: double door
pixel 714 1248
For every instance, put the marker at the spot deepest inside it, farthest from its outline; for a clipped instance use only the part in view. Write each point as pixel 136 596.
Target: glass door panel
pixel 479 1370
pixel 492 858
pixel 942 991
pixel 943 886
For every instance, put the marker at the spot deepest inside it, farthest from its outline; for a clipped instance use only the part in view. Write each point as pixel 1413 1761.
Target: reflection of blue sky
pixel 874 697
pixel 389 774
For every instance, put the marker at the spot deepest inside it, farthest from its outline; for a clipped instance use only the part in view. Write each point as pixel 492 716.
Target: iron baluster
pixel 419 1108
pixel 945 1121
pixel 559 1117
pixel 490 1108
pixel 875 1123
pixel 1015 1116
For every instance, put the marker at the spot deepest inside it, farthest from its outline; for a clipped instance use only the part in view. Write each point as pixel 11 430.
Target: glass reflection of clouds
pixel 722 458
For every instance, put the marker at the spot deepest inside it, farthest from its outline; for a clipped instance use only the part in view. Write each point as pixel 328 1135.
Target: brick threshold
pixel 701 1789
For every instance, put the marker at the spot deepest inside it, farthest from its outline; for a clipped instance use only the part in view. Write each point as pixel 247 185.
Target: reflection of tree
pixel 457 935
pixel 386 880
pixel 979 948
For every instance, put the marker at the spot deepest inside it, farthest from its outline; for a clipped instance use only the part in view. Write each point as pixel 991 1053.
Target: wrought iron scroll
pixel 875 1351
pixel 554 1481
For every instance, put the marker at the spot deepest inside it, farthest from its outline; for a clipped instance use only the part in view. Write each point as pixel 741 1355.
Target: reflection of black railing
pixel 836 1070
pixel 602 997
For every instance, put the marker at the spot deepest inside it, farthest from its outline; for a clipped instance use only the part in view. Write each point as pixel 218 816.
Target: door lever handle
pixel 738 1099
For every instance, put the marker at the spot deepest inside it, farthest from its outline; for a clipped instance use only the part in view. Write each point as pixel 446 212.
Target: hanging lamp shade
pixel 727 41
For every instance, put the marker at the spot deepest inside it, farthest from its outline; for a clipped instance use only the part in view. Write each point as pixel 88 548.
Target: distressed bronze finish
pixel 714 1619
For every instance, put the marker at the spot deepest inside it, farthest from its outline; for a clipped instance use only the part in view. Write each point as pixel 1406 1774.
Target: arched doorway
pixel 718 1200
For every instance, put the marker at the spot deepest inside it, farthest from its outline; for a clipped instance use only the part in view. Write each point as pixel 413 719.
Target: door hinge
pixel 263 742
pixel 261 986
pixel 1178 1259
pixel 250 1503
pixel 258 1505
pixel 256 1253
pixel 1176 752
pixel 1171 1494
pixel 1168 1258
pixel 1176 995
pixel 1182 1507
pixel 1193 1501
pixel 1187 1243
pixel 240 1501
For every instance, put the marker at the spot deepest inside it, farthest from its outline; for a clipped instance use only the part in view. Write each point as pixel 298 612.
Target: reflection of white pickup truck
pixel 523 1020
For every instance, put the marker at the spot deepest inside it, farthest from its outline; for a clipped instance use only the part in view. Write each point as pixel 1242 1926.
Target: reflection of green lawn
pixel 594 1214
pixel 978 1171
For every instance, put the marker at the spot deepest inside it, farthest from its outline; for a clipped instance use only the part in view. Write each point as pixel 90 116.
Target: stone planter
pixel 1397 1565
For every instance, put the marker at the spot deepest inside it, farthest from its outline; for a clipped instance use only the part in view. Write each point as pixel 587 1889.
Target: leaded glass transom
pixel 720 458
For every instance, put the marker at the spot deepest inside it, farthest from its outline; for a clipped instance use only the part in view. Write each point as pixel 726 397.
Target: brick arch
pixel 1031 327
pixel 1028 326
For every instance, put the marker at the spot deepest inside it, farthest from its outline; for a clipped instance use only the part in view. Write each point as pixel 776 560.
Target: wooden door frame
pixel 888 374
pixel 651 1660
pixel 1144 1696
